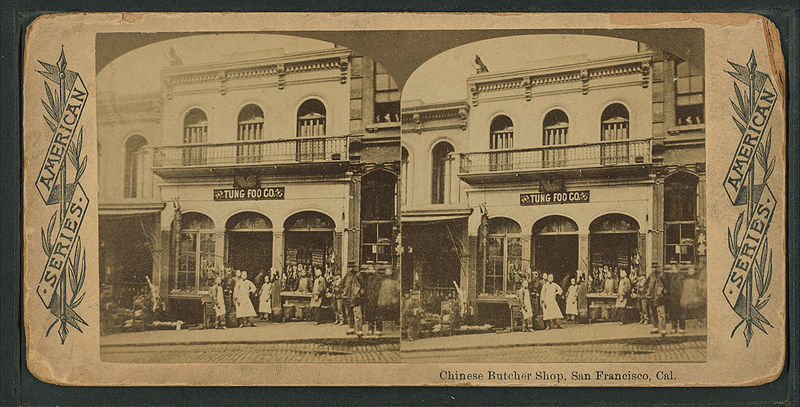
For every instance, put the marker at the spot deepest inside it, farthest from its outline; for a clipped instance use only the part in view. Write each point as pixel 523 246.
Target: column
pixel 219 249
pixel 642 253
pixel 583 252
pixel 166 265
pixel 337 248
pixel 526 254
pixel 474 275
pixel 277 250
pixel 345 251
pixel 657 260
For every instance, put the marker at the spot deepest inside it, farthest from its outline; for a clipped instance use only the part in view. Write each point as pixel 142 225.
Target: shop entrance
pixel 613 246
pixel 249 241
pixel 555 248
pixel 308 241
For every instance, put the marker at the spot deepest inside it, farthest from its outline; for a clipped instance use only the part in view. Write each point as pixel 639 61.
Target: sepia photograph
pixel 248 207
pixel 553 201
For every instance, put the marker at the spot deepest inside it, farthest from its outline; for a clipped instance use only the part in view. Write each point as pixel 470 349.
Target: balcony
pixel 531 163
pixel 268 156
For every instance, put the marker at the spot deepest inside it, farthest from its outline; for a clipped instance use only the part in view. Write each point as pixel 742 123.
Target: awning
pixel 434 215
pixel 130 209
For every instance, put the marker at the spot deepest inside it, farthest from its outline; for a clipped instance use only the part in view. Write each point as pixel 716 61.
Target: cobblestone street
pixel 670 349
pixel 351 351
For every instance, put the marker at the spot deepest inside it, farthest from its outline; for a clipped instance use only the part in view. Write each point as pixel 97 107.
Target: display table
pixel 601 305
pixel 295 304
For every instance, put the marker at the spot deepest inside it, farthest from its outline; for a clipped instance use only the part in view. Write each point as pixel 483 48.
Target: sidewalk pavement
pixel 263 332
pixel 611 332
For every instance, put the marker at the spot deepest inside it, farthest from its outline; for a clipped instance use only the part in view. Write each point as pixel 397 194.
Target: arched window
pixel 311 123
pixel 441 171
pixel 554 133
pixel 501 137
pixel 615 123
pixel 134 166
pixel 404 176
pixel 251 123
pixel 555 127
pixel 311 119
pixel 501 133
pixel 503 257
pixel 680 217
pixel 614 128
pixel 195 131
pixel 377 217
pixel 251 128
pixel 196 257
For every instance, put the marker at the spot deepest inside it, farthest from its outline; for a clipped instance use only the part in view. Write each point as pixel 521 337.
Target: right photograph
pixel 553 201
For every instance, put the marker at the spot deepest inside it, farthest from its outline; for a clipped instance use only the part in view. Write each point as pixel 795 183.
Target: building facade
pixel 251 164
pixel 581 166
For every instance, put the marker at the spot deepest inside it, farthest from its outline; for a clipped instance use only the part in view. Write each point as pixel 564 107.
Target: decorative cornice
pixel 559 74
pixel 281 67
pixel 457 112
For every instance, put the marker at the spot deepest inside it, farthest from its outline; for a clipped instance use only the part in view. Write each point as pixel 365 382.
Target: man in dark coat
pixel 353 297
pixel 655 296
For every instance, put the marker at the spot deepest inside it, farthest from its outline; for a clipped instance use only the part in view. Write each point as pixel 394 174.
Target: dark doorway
pixel 250 252
pixel 557 255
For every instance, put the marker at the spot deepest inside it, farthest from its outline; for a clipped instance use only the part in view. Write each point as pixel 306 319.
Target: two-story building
pixel 251 163
pixel 575 166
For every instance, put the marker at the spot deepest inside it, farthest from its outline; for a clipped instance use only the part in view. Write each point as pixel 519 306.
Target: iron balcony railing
pixel 601 154
pixel 283 151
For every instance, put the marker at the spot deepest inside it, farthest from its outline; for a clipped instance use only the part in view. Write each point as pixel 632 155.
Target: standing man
pixel 241 295
pixel 218 300
pixel 524 296
pixel 353 296
pixel 655 296
pixel 317 293
pixel 551 312
pixel 623 293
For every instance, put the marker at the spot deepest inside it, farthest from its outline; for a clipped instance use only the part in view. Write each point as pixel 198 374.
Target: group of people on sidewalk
pixel 352 299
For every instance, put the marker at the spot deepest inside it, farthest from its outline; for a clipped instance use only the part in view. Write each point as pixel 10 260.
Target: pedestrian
pixel 572 301
pixel 582 300
pixel 411 315
pixel 304 284
pixel 550 311
pixel 623 294
pixel 674 284
pixel 317 293
pixel 337 299
pixel 655 296
pixel 244 307
pixel 644 304
pixel 275 298
pixel 353 296
pixel 524 296
pixel 388 300
pixel 372 284
pixel 218 300
pixel 265 298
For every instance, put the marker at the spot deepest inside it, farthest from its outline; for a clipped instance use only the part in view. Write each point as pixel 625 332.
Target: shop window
pixel 441 171
pixel 308 243
pixel 689 94
pixel 134 166
pixel 196 257
pixel 250 128
pixel 501 137
pixel 680 218
pixel 614 127
pixel 195 132
pixel 554 133
pixel 377 217
pixel 613 247
pixel 503 257
pixel 311 126
pixel 387 97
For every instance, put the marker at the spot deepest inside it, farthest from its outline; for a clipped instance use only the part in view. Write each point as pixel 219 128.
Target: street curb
pixel 635 341
pixel 322 341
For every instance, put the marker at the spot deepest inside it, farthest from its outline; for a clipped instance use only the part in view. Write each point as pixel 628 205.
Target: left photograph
pixel 248 206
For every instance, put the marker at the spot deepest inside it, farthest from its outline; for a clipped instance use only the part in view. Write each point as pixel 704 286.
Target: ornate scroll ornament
pixel 61 285
pixel 746 184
